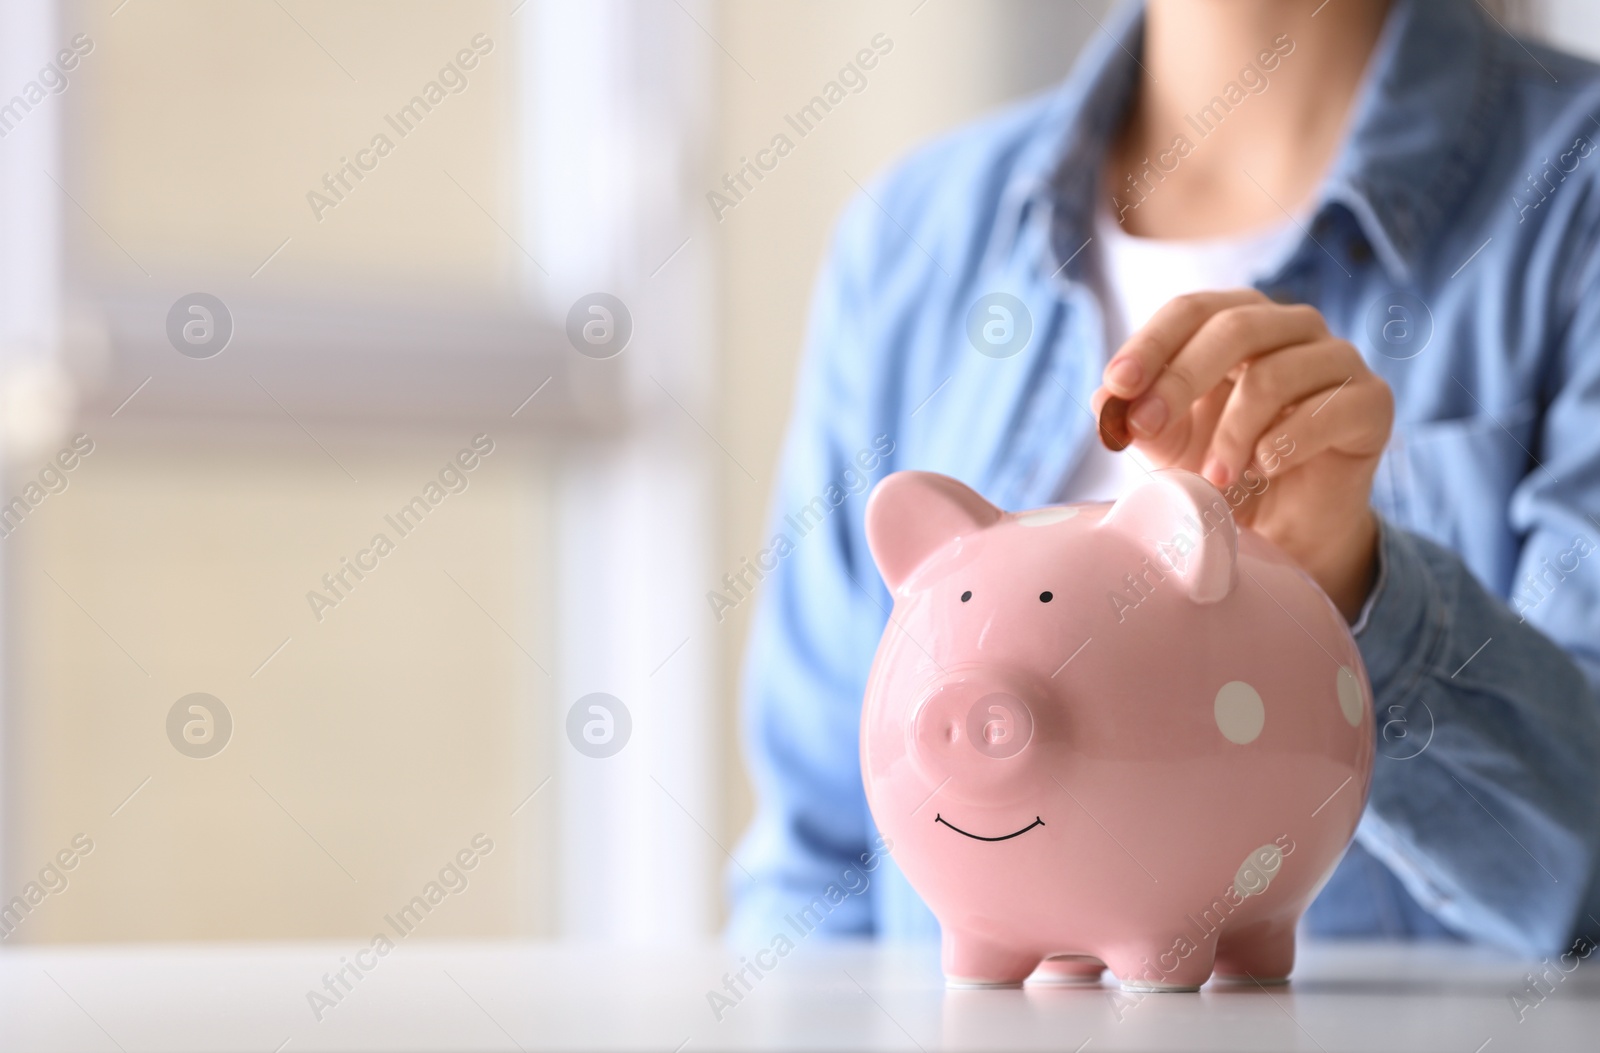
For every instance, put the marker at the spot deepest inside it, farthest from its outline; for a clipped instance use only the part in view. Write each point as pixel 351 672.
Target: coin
pixel 1114 424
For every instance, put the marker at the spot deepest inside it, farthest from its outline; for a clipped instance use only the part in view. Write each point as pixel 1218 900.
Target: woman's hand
pixel 1283 417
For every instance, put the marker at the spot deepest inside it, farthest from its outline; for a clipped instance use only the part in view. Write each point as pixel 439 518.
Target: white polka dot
pixel 1047 516
pixel 1239 712
pixel 1350 703
pixel 1258 870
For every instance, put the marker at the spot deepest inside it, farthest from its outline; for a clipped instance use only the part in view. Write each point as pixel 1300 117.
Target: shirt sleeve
pixel 820 612
pixel 1485 796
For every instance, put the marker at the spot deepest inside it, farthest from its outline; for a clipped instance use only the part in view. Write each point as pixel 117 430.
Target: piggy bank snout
pixel 977 736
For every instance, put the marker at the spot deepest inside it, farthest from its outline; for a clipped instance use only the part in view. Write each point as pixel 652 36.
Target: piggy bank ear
pixel 911 514
pixel 1186 526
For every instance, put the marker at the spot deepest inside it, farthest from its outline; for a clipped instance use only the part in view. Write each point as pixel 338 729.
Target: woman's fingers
pixel 1142 355
pixel 1217 380
pixel 1352 418
pixel 1268 387
pixel 1177 373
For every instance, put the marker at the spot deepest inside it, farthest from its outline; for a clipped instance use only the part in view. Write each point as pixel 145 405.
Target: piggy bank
pixel 1128 736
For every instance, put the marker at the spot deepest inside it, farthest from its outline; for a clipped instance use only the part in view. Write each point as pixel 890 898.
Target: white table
pixel 503 997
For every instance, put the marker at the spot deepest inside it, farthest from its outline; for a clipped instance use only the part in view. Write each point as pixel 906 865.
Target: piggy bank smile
pixel 1182 699
pixel 979 837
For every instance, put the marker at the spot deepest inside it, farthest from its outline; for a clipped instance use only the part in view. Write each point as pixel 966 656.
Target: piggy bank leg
pixel 1068 969
pixel 1168 965
pixel 975 961
pixel 1261 953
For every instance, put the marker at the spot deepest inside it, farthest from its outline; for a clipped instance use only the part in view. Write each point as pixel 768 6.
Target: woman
pixel 1368 227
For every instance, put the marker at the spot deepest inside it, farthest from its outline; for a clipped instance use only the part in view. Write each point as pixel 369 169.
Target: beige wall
pixel 204 125
pixel 392 730
pixel 405 721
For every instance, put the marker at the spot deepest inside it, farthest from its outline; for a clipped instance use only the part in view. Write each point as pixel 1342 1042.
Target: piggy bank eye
pixel 1046 597
pixel 965 596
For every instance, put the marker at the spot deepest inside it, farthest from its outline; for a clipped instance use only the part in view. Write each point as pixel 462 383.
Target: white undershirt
pixel 1137 277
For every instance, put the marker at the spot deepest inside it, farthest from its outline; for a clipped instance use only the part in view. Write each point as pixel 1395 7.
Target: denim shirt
pixel 1453 242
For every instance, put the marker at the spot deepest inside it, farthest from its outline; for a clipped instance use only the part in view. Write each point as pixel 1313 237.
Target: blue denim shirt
pixel 1454 243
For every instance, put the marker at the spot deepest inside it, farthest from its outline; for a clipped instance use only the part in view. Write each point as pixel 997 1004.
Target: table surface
pixel 511 996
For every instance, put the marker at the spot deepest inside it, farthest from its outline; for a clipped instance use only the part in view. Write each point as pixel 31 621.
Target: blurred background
pixel 267 723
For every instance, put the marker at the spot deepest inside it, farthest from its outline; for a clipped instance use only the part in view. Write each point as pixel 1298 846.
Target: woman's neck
pixel 1240 109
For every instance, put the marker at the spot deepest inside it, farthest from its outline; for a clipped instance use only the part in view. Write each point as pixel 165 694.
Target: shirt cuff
pixel 1397 626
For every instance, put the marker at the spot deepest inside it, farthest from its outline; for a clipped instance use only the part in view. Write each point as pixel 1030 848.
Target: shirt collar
pixel 1421 123
pixel 1421 126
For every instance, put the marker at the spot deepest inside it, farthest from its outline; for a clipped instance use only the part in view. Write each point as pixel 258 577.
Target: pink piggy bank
pixel 1129 736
